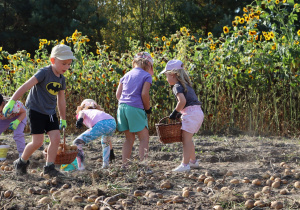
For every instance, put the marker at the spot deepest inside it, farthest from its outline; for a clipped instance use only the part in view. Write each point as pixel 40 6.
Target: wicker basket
pixel 64 157
pixel 170 132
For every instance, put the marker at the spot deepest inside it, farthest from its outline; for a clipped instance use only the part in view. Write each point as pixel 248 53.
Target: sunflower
pixel 298 32
pixel 163 38
pixel 98 51
pixel 234 23
pixel 247 19
pixel 209 34
pixel 148 46
pixel 256 37
pixel 5 67
pixel 250 76
pixel 258 12
pixel 28 54
pixel 183 29
pixel 274 46
pixel 237 18
pixel 252 33
pixel 277 1
pixel 226 30
pixel 269 1
pixel 271 34
pixel 200 39
pixel 167 43
pixel 251 16
pixel 245 10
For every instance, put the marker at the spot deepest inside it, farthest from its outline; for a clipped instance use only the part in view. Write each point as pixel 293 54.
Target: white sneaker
pixel 182 168
pixel 105 165
pixel 81 168
pixel 194 165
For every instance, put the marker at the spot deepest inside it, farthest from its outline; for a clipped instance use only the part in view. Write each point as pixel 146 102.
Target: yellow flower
pixel 251 16
pixel 250 76
pixel 274 46
pixel 271 34
pixel 8 57
pixel 269 1
pixel 168 43
pixel 255 25
pixel 89 77
pixel 247 19
pixel 245 10
pixel 200 39
pixel 209 34
pixel 296 42
pixel 38 60
pixel 298 32
pixel 225 29
pixel 234 23
pixel 0 49
pixel 295 6
pixel 242 20
pixel 148 46
pixel 252 33
pixel 28 55
pixel 258 12
pixel 256 38
pixel 183 29
pixel 88 40
pixel 277 1
pixel 5 67
pixel 163 38
pixel 152 55
pixel 237 18
pixel 98 51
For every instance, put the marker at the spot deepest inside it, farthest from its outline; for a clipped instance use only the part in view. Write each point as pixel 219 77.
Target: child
pixel 134 105
pixel 99 123
pixel 46 92
pixel 16 121
pixel 187 105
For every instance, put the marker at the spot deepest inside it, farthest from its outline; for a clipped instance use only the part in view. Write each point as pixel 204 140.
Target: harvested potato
pixel 249 204
pixel 276 205
pixel 44 200
pixel 92 198
pixel 8 194
pixel 77 199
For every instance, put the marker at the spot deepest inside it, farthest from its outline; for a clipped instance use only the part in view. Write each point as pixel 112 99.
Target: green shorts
pixel 131 118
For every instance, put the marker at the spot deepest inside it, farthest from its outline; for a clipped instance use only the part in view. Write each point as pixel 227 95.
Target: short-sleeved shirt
pixel 43 96
pixel 190 96
pixel 133 82
pixel 15 112
pixel 92 116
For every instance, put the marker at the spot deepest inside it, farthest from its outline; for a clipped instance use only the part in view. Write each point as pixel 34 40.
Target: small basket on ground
pixel 169 132
pixel 66 154
pixel 3 152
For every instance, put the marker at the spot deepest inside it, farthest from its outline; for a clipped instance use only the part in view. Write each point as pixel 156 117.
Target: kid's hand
pixel 8 108
pixel 174 115
pixel 149 111
pixel 62 124
pixel 14 124
pixel 79 123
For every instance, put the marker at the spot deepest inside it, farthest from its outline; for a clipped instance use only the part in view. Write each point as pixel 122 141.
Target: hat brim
pixel 162 72
pixel 63 58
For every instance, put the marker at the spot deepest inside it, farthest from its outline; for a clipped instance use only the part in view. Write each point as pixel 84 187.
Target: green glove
pixel 63 123
pixel 14 124
pixel 8 108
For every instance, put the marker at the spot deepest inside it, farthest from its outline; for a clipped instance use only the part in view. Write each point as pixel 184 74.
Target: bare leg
pixel 127 146
pixel 37 142
pixel 143 136
pixel 54 136
pixel 188 147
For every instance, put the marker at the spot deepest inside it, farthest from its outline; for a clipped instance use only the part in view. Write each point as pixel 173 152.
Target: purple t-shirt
pixel 133 82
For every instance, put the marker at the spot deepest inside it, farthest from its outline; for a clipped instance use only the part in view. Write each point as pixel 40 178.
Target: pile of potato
pixel 5 166
pixel 68 149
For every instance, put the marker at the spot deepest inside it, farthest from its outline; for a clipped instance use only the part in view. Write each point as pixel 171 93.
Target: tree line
pixel 24 22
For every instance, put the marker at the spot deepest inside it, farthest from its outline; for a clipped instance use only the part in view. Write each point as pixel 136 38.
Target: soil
pixel 151 184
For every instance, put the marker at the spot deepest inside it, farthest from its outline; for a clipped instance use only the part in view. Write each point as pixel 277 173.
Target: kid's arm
pixel 8 108
pixel 24 88
pixel 180 105
pixel 61 104
pixel 181 102
pixel 119 91
pixel 146 95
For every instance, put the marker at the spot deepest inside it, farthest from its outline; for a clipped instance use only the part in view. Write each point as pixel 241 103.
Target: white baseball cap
pixel 173 65
pixel 62 52
pixel 145 55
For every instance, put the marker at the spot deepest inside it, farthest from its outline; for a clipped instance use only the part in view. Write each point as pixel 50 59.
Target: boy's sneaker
pixel 52 171
pixel 182 168
pixel 105 165
pixel 194 165
pixel 20 166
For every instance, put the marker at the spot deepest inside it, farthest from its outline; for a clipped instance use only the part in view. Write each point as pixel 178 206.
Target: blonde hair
pixel 182 76
pixel 88 104
pixel 142 63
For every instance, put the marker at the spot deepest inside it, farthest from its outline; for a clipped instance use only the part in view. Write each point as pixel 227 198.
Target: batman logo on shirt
pixel 53 87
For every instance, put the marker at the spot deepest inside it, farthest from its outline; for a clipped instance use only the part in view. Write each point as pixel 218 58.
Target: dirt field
pixel 225 160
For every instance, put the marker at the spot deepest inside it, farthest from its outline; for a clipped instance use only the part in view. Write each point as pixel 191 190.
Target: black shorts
pixel 40 123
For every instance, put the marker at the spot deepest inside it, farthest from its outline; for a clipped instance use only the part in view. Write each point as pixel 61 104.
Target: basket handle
pixel 168 119
pixel 64 135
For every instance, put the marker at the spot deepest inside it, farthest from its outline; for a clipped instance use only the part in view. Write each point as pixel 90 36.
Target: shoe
pixel 194 165
pixel 20 166
pixel 112 156
pixel 52 171
pixel 105 165
pixel 182 168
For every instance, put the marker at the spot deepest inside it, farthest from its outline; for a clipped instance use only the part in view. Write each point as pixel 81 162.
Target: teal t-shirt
pixel 43 96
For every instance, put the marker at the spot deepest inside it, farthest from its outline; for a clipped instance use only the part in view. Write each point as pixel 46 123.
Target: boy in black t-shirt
pixel 46 92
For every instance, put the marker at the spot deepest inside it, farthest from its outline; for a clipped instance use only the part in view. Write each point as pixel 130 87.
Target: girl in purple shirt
pixel 134 105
